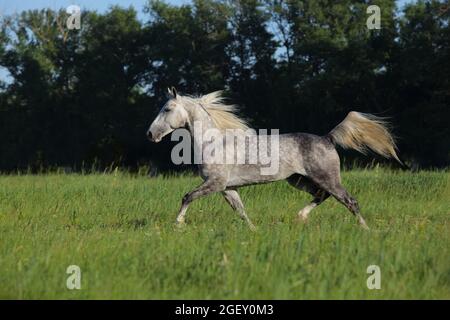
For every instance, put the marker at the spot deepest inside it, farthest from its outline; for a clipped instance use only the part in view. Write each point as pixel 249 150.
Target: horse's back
pixel 309 152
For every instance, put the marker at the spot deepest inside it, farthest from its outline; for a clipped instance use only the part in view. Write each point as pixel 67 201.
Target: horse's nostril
pixel 149 134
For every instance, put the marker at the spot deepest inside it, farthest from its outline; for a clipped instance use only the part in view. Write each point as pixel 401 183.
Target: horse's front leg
pixel 234 200
pixel 208 187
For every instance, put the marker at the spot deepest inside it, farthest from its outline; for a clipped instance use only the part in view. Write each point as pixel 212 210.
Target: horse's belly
pixel 241 175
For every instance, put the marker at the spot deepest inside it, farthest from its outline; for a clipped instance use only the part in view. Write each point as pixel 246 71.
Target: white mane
pixel 223 115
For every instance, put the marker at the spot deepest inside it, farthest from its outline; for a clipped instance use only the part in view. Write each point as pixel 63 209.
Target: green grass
pixel 119 228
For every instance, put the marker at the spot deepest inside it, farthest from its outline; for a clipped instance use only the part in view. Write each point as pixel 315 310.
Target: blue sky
pixel 10 6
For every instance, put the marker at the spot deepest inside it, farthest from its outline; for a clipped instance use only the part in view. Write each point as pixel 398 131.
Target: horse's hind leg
pixel 347 200
pixel 332 184
pixel 319 197
pixel 305 184
pixel 234 200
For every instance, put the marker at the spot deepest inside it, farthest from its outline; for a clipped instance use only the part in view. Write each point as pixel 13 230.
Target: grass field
pixel 118 228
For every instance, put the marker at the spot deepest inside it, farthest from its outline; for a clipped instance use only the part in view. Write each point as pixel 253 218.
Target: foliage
pixel 83 97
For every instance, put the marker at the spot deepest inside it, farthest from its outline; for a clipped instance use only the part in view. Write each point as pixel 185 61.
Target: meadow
pixel 119 229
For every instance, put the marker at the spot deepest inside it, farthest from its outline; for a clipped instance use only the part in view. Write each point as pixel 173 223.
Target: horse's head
pixel 172 116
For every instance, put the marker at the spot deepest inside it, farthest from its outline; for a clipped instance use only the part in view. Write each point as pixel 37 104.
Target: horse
pixel 308 162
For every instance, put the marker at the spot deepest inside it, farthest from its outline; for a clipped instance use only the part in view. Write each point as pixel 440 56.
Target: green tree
pixel 422 75
pixel 252 62
pixel 186 45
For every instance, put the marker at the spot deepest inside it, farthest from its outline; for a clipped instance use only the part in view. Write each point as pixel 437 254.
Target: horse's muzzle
pixel 153 138
pixel 150 136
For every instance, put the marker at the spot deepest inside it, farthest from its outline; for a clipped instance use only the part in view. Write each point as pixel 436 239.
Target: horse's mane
pixel 224 115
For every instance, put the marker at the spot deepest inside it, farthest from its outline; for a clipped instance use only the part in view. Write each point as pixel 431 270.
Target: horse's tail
pixel 363 131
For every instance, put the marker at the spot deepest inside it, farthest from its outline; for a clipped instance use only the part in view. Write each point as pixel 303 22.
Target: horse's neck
pixel 199 122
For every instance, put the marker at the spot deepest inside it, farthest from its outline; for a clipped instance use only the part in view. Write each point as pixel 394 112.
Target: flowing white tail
pixel 363 131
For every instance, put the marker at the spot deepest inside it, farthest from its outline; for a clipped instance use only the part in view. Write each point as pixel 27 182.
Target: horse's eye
pixel 166 110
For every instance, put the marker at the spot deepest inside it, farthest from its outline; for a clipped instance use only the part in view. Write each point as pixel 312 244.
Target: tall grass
pixel 119 229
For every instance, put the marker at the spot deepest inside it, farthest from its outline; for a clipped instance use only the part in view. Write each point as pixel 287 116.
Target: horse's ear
pixel 174 92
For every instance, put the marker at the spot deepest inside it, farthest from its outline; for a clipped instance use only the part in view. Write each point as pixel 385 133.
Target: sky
pixel 8 7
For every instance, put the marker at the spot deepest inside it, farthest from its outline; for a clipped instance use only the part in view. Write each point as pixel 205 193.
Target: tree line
pixel 86 97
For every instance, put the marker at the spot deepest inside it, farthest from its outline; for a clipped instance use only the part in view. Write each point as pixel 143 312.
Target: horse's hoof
pixel 301 219
pixel 252 227
pixel 365 227
pixel 363 224
pixel 180 224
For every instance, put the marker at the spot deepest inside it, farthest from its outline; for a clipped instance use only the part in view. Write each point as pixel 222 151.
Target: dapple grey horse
pixel 307 161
